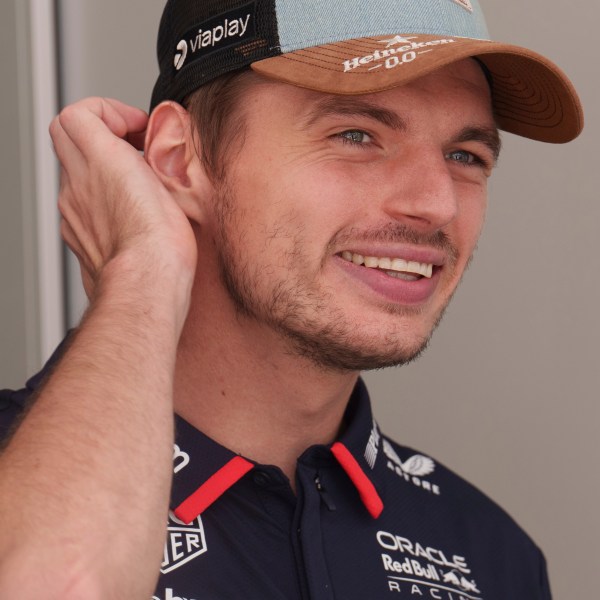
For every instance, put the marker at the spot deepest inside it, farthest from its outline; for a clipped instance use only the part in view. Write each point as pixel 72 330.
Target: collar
pixel 205 470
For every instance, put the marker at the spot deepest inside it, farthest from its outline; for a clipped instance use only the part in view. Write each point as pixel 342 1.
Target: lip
pixel 397 291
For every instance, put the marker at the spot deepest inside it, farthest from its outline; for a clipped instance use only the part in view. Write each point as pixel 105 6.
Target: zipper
pixel 325 497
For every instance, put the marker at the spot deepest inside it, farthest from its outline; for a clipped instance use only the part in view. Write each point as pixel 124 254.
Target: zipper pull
pixel 324 495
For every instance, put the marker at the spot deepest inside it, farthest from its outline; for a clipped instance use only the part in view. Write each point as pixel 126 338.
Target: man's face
pixel 345 223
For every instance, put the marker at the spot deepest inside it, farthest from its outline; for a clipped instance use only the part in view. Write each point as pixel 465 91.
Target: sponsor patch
pixel 228 29
pixel 184 543
pixel 180 459
pixel 413 469
pixel 372 449
pixel 416 569
pixel 170 595
pixel 394 53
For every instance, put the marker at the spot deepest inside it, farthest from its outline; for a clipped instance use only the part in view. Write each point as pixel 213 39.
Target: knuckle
pixel 72 111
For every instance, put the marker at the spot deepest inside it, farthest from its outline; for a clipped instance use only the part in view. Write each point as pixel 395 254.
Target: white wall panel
pixel 44 105
pixel 31 298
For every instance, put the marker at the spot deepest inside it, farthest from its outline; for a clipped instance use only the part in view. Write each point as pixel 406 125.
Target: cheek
pixel 471 220
pixel 332 195
pixel 314 200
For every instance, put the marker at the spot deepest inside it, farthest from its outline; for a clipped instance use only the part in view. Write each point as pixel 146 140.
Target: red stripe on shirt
pixel 214 487
pixel 366 489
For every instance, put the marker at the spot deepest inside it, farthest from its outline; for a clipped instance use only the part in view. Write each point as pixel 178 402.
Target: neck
pixel 241 384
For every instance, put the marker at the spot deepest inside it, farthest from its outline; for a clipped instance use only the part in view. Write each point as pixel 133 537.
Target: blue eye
pixel 461 156
pixel 468 159
pixel 355 136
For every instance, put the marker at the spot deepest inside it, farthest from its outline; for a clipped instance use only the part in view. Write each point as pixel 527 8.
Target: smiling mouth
pixel 394 267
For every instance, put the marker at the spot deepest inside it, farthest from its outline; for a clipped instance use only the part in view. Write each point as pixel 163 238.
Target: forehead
pixel 466 72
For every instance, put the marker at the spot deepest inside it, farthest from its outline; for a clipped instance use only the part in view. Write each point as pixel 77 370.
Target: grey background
pixel 507 394
pixel 18 270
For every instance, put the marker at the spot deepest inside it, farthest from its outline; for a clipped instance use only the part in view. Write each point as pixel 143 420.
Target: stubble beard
pixel 305 315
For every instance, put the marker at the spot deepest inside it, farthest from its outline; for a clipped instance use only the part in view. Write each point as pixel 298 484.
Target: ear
pixel 171 153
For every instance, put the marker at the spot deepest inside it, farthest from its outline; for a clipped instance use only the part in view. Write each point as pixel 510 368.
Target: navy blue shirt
pixel 370 520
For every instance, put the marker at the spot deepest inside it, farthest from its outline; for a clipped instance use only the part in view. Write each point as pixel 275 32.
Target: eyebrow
pixel 489 136
pixel 349 106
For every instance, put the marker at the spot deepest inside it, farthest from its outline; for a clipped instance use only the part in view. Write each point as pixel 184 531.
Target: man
pixel 307 217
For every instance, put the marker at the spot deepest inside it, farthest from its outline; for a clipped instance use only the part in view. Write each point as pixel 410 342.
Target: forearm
pixel 84 483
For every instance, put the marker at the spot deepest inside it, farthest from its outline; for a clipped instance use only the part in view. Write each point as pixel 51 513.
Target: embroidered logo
pixel 233 28
pixel 397 51
pixel 460 581
pixel 397 40
pixel 170 595
pixel 465 4
pixel 184 543
pixel 180 459
pixel 182 52
pixel 413 469
pixel 372 449
pixel 423 570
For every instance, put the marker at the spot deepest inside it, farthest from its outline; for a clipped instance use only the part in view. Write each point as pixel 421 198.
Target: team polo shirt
pixel 369 520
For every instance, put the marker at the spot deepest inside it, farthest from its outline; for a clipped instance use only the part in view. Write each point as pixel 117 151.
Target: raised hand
pixel 111 201
pixel 99 436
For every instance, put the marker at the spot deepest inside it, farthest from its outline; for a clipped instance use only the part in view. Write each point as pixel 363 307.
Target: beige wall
pixel 507 394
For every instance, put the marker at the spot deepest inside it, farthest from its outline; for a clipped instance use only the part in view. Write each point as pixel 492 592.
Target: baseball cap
pixel 360 47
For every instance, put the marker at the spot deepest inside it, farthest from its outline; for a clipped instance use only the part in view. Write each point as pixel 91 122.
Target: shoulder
pixel 432 511
pixel 445 492
pixel 13 403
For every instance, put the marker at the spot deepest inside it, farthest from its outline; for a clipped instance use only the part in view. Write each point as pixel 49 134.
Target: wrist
pixel 149 288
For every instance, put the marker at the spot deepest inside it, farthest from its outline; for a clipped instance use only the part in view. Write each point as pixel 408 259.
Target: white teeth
pixel 371 262
pixel 399 264
pixel 391 265
pixel 414 267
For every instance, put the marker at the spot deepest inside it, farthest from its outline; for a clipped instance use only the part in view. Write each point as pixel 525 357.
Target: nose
pixel 420 191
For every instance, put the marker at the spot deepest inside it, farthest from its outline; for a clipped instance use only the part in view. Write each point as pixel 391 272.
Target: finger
pixel 89 274
pixel 68 154
pixel 89 283
pixel 70 239
pixel 87 278
pixel 89 122
pixel 64 186
pixel 136 122
pixel 80 240
pixel 73 215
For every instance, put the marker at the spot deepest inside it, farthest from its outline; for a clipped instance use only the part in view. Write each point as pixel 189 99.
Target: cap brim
pixel 532 97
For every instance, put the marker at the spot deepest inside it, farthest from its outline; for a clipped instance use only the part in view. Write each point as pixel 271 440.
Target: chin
pixel 350 353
